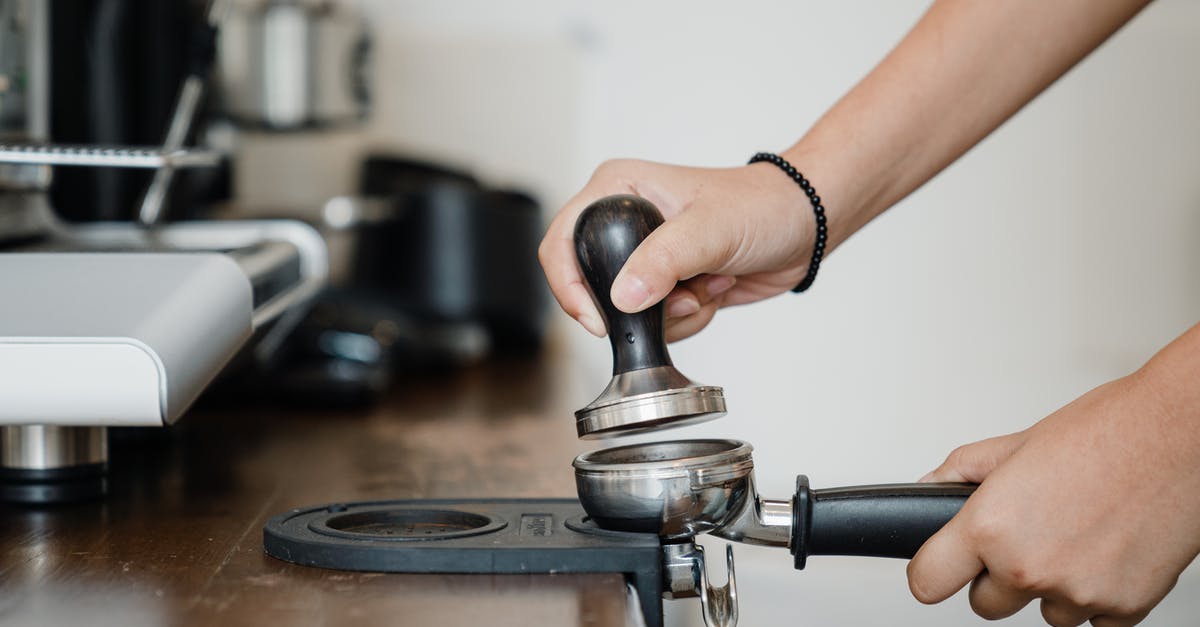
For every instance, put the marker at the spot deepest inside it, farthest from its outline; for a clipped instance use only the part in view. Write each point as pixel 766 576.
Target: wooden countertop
pixel 179 539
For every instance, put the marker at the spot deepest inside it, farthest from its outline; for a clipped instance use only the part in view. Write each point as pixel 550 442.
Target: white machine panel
pixel 115 338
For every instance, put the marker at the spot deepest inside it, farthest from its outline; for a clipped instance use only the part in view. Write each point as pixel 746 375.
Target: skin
pixel 1093 509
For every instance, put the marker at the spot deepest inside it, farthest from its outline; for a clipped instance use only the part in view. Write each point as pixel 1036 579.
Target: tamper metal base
pixel 648 400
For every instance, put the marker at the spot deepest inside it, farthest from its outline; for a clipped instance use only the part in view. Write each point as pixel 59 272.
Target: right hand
pixel 732 236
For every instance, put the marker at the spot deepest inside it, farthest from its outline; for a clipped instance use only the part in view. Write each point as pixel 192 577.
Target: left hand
pixel 1095 510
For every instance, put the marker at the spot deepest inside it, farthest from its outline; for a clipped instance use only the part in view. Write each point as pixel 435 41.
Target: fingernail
pixel 682 307
pixel 592 325
pixel 629 293
pixel 720 284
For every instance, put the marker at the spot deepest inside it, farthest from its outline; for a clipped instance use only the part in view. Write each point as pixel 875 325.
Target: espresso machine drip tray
pixel 486 536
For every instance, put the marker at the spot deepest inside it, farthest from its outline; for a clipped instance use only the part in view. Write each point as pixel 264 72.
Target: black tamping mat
pixel 485 536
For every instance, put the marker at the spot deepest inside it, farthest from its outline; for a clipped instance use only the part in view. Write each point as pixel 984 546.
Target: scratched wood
pixel 178 541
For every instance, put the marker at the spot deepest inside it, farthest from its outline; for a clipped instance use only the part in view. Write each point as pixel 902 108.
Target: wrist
pixel 838 195
pixel 776 207
pixel 819 219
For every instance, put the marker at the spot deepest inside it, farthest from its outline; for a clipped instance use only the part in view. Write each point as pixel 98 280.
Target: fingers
pixel 1113 621
pixel 557 250
pixel 943 566
pixel 680 249
pixel 681 303
pixel 972 463
pixel 692 305
pixel 691 325
pixel 1062 614
pixel 993 600
pixel 557 256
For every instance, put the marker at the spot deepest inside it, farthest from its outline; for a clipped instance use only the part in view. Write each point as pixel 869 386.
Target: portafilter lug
pixel 646 392
pixel 685 575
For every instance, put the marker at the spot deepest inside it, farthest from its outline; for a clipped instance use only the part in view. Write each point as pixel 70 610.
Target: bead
pixel 818 213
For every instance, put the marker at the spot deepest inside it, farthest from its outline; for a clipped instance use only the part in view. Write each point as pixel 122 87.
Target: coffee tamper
pixel 646 392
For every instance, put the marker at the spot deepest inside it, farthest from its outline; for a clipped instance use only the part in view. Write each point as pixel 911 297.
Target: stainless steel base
pixel 49 447
pixel 649 399
pixel 52 464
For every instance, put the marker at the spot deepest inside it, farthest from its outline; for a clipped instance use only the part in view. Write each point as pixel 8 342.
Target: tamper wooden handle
pixel 606 233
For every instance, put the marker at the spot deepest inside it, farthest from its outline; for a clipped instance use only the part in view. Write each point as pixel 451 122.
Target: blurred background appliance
pixel 109 107
pixel 430 270
pixel 291 64
pixel 112 323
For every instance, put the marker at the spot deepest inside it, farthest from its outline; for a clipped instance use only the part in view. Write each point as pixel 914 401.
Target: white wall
pixel 1059 254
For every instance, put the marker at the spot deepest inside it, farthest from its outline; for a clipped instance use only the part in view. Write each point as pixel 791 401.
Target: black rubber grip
pixel 606 233
pixel 891 520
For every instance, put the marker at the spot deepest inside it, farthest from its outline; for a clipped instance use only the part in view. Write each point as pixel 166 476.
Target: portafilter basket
pixel 675 489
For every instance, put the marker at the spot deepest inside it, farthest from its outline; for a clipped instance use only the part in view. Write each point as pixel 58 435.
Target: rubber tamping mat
pixel 486 536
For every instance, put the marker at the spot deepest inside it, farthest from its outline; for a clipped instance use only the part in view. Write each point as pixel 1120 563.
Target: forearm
pixel 1172 377
pixel 963 70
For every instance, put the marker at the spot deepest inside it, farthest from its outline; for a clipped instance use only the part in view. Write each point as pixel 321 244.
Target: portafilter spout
pixel 646 392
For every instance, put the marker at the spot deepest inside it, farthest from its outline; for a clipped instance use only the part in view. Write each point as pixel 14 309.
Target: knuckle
pixel 1023 576
pixel 613 168
pixel 664 253
pixel 1079 595
pixel 959 457
pixel 989 531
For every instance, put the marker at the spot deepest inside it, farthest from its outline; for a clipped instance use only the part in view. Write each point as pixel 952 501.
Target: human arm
pixel 962 70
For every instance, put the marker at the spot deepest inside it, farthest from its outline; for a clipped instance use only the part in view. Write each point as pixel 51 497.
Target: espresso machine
pixel 115 316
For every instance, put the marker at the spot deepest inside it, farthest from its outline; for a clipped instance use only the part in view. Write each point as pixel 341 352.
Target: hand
pixel 1095 510
pixel 732 236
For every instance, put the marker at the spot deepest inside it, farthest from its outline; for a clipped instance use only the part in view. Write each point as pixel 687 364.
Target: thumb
pixel 680 249
pixel 974 462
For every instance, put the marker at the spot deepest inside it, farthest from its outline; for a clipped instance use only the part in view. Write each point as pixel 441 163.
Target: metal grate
pixel 106 156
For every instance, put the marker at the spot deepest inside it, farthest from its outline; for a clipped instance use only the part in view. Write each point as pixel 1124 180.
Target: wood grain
pixel 606 234
pixel 178 541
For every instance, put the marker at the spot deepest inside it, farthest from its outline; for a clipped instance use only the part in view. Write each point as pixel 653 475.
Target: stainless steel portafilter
pixel 683 488
pixel 646 392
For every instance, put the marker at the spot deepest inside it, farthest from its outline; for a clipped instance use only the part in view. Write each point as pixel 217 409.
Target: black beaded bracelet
pixel 818 211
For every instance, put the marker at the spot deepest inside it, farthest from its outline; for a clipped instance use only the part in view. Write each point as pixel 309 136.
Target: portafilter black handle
pixel 606 233
pixel 891 520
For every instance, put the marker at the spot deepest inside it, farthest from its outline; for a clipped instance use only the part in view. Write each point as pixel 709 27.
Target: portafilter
pixel 646 392
pixel 679 489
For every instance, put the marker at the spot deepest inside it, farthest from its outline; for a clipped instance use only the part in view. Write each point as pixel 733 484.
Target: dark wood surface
pixel 179 542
